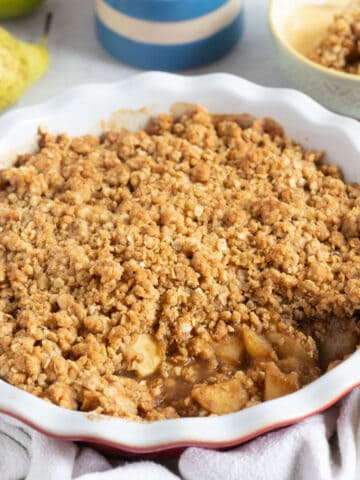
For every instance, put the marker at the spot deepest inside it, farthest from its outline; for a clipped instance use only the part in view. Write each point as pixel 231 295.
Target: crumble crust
pixel 198 267
pixel 340 48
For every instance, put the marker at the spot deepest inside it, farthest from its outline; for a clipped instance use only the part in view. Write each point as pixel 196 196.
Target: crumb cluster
pixel 340 49
pixel 188 269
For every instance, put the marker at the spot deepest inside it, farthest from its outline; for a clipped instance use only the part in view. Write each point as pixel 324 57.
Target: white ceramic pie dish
pixel 86 109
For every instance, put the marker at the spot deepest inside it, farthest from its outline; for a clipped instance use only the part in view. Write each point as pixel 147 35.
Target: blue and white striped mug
pixel 169 34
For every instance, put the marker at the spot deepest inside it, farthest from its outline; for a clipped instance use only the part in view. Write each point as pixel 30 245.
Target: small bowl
pixel 335 90
pixel 169 34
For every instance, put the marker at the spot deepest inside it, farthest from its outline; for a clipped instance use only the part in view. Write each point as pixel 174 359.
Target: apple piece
pixel 277 383
pixel 286 346
pixel 257 346
pixel 220 398
pixel 230 349
pixel 145 354
pixel 307 371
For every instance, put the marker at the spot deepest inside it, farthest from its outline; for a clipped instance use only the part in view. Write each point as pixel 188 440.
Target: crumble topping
pixel 340 48
pixel 198 267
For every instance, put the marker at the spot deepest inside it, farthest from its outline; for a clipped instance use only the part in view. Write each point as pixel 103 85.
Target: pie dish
pixel 284 107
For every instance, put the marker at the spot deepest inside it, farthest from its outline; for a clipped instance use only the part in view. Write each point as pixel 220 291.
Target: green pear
pixel 21 65
pixel 17 8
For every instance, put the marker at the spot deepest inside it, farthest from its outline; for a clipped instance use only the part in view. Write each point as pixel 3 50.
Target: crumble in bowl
pixel 340 48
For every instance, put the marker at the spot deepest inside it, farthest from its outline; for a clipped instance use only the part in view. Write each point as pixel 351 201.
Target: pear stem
pixel 47 27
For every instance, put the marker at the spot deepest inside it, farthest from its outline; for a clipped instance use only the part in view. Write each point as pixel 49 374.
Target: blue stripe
pixel 165 10
pixel 171 57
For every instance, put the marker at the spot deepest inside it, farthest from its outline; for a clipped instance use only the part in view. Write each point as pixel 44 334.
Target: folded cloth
pixel 29 455
pixel 323 447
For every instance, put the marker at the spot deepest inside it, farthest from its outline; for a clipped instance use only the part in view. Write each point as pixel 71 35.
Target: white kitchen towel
pixel 323 447
pixel 29 455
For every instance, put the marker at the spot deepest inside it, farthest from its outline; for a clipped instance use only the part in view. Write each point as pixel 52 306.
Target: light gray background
pixel 77 57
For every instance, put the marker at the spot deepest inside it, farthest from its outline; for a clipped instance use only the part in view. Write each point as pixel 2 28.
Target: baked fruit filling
pixel 197 267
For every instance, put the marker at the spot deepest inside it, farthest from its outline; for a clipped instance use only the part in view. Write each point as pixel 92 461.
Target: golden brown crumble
pixel 340 48
pixel 189 269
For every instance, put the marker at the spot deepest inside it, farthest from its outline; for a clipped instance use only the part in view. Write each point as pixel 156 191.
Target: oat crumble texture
pixel 197 267
pixel 340 48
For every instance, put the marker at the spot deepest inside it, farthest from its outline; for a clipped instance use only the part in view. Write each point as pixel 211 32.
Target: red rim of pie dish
pixel 122 448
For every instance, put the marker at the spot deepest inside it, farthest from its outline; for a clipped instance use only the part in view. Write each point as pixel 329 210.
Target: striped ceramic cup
pixel 169 34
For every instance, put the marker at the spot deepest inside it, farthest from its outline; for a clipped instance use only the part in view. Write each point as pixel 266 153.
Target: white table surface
pixel 77 57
